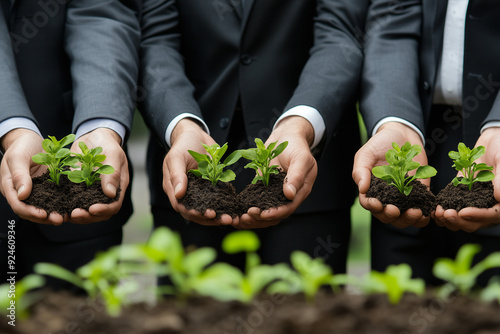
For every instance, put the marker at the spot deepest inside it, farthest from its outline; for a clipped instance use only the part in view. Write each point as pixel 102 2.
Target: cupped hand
pixel 110 142
pixel 188 135
pixel 301 168
pixel 17 169
pixel 472 219
pixel 373 154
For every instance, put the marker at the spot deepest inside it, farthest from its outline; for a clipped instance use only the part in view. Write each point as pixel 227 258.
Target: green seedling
pixel 460 271
pixel 224 282
pixel 394 282
pixel 400 164
pixel 492 291
pixel 91 166
pixel 463 161
pixel 19 296
pixel 57 158
pixel 104 277
pixel 309 275
pixel 209 166
pixel 261 157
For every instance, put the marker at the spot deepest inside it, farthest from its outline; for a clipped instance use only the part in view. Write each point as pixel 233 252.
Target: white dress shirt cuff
pixel 493 124
pixel 177 119
pixel 399 120
pixel 310 114
pixel 18 123
pixel 96 123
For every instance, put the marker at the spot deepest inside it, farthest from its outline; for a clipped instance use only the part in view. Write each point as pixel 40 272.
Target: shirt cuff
pixel 96 123
pixel 177 119
pixel 492 124
pixel 310 114
pixel 399 120
pixel 18 123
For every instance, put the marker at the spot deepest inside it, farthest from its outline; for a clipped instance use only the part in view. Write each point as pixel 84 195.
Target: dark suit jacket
pixel 63 65
pixel 200 57
pixel 407 91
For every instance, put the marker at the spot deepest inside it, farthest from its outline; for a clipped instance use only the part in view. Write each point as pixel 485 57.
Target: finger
pixel 298 170
pixel 175 167
pixel 19 171
pixel 489 216
pixel 364 161
pixel 370 203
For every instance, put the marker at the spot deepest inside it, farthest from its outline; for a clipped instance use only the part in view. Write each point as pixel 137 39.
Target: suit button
pixel 224 122
pixel 426 86
pixel 246 59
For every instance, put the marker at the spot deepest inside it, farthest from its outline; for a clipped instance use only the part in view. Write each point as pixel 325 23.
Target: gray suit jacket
pixel 64 64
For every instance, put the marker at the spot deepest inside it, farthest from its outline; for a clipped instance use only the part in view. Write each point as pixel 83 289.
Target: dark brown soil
pixel 331 314
pixel 67 196
pixel 459 197
pixel 202 195
pixel 419 198
pixel 262 197
pixel 222 198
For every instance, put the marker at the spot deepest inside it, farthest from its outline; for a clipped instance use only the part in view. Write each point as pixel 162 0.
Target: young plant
pixel 57 158
pixel 463 161
pixel 492 291
pixel 209 166
pixel 17 297
pixel 400 164
pixel 91 166
pixel 460 272
pixel 261 157
pixel 394 282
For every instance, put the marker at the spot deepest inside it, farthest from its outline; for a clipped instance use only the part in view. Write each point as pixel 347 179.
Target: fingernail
pixel 111 188
pixel 20 190
pixel 292 189
pixel 177 188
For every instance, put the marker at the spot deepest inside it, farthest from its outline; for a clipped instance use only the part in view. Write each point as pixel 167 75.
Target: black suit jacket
pixel 200 57
pixel 63 64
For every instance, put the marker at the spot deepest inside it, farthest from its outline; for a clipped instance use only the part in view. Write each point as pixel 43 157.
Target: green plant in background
pixel 308 276
pixel 103 277
pixel 463 161
pixel 209 166
pixel 460 272
pixel 261 157
pixel 19 296
pixel 91 166
pixel 492 291
pixel 394 282
pixel 57 158
pixel 400 164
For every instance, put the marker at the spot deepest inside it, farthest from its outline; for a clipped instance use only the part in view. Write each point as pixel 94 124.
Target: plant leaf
pixel 485 176
pixel 425 172
pixel 199 157
pixel 240 241
pixel 106 169
pixel 227 176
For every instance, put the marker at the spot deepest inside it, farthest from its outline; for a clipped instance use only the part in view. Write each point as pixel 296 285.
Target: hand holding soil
pixel 373 154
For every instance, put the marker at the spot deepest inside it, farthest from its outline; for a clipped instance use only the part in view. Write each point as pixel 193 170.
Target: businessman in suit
pixel 231 71
pixel 456 100
pixel 66 67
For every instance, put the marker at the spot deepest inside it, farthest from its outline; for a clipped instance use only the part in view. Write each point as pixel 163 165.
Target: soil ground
pixel 341 313
pixel 459 197
pixel 419 198
pixel 67 196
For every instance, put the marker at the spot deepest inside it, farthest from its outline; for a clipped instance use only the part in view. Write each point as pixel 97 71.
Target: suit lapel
pixel 246 12
pixel 438 28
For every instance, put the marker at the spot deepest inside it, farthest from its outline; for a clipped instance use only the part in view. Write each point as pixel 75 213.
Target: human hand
pixel 301 168
pixel 16 171
pixel 187 135
pixel 373 154
pixel 472 219
pixel 110 142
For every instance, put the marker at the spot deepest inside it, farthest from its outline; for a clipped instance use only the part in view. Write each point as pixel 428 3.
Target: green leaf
pixel 56 271
pixel 195 172
pixel 62 153
pixel 407 190
pixel 482 166
pixel 250 154
pixel 232 158
pixel 199 157
pixel 281 147
pixel 40 158
pixel 382 171
pixel 197 260
pixel 240 241
pixel 454 155
pixel 67 140
pixel 425 172
pixel 485 176
pixel 227 176
pixel 477 152
pixel 106 169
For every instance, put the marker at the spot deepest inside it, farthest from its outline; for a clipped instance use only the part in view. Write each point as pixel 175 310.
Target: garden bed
pixel 291 314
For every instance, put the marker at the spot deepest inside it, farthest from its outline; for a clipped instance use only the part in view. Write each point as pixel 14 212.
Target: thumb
pixel 299 172
pixel 175 180
pixel 496 184
pixel 361 172
pixel 21 179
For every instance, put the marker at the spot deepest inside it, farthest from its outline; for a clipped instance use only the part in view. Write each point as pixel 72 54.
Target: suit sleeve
pixel 163 79
pixel 389 81
pixel 12 100
pixel 102 41
pixel 494 114
pixel 330 79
